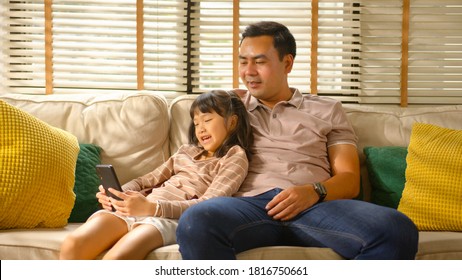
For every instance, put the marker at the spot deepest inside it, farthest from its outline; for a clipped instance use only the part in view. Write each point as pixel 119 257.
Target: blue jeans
pixel 221 227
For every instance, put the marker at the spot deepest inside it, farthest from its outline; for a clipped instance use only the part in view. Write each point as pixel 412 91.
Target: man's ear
pixel 289 62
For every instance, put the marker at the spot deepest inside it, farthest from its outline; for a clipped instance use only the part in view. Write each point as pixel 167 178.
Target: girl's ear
pixel 232 122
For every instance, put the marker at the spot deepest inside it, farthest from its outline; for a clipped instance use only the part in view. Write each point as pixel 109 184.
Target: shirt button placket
pixel 275 123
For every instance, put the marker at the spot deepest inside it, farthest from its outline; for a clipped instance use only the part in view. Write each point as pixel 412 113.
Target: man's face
pixel 261 70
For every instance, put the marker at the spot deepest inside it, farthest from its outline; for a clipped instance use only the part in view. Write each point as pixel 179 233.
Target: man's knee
pixel 400 236
pixel 197 217
pixel 200 219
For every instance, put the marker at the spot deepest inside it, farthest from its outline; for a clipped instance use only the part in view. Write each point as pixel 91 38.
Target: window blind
pixel 94 45
pixel 338 45
pixel 24 47
pixel 212 45
pixel 435 52
pixel 434 65
pixel 366 51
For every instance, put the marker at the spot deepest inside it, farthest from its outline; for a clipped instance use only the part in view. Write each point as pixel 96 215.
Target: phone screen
pixel 108 177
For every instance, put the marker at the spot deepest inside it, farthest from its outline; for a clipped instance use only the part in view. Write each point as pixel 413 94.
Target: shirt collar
pixel 296 100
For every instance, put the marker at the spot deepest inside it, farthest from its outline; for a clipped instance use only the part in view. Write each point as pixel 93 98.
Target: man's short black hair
pixel 283 40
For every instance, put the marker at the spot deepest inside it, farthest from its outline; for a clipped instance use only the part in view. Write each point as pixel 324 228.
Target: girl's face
pixel 211 130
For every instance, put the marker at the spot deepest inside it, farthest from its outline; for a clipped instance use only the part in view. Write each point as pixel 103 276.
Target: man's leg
pixel 221 227
pixel 355 230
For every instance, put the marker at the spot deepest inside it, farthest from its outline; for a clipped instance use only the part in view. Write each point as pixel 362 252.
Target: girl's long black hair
pixel 226 104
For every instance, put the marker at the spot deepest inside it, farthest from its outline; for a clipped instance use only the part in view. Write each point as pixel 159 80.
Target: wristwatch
pixel 320 190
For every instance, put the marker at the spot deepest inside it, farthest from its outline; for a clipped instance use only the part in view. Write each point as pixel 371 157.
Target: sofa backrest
pixel 130 128
pixel 375 125
pixel 391 125
pixel 180 120
pixel 139 131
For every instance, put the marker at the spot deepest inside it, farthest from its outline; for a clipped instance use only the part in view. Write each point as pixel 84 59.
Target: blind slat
pixel 358 52
pixel 95 44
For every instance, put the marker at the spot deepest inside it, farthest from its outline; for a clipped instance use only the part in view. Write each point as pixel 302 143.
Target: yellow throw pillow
pixel 37 167
pixel 432 195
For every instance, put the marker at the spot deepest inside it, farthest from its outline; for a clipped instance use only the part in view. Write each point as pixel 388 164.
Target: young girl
pixel 213 164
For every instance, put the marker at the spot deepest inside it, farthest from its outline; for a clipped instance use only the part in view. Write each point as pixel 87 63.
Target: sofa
pixel 138 131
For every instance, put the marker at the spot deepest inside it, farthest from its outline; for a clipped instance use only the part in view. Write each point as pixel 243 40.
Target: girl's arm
pixel 233 170
pixel 151 179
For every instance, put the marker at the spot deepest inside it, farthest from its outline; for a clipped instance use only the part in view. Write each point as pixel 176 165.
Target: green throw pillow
pixel 86 183
pixel 386 168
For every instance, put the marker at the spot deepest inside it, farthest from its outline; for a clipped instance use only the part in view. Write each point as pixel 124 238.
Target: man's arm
pixel 345 179
pixel 344 183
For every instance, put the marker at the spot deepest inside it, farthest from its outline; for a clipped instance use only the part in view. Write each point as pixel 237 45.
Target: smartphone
pixel 107 174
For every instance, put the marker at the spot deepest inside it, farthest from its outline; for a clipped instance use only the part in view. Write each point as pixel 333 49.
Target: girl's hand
pixel 133 204
pixel 103 199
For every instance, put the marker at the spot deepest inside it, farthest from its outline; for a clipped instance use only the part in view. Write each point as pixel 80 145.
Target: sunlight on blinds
pixel 177 47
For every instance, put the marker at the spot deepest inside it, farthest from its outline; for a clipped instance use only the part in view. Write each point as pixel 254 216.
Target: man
pixel 302 177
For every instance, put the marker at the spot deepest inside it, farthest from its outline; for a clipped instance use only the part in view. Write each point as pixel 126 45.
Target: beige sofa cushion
pixel 130 128
pixel 375 125
pixel 391 125
pixel 179 120
pixel 42 244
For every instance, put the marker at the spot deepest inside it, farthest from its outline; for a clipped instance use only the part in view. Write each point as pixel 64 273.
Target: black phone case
pixel 108 179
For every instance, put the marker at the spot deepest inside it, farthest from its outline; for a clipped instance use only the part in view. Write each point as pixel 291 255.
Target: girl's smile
pixel 211 130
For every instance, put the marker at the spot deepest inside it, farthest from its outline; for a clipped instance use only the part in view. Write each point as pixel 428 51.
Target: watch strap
pixel 320 190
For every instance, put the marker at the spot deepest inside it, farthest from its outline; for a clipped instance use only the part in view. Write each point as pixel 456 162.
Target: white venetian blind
pixel 94 45
pixel 367 51
pixel 338 50
pixel 23 46
pixel 296 15
pixel 434 68
pixel 337 67
pixel 165 45
pixel 435 52
pixel 212 45
pixel 381 36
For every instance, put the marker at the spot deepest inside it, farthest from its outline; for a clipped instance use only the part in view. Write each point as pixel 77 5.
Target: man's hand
pixel 290 202
pixel 132 204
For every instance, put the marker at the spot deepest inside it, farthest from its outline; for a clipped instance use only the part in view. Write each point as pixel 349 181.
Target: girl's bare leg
pixel 93 237
pixel 136 244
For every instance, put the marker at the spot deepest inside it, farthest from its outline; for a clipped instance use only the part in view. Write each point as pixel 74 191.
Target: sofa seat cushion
pixel 36 244
pixel 44 244
pixel 37 165
pixel 439 245
pixel 41 244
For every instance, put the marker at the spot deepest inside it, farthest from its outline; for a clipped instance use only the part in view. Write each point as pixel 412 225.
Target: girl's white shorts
pixel 166 227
